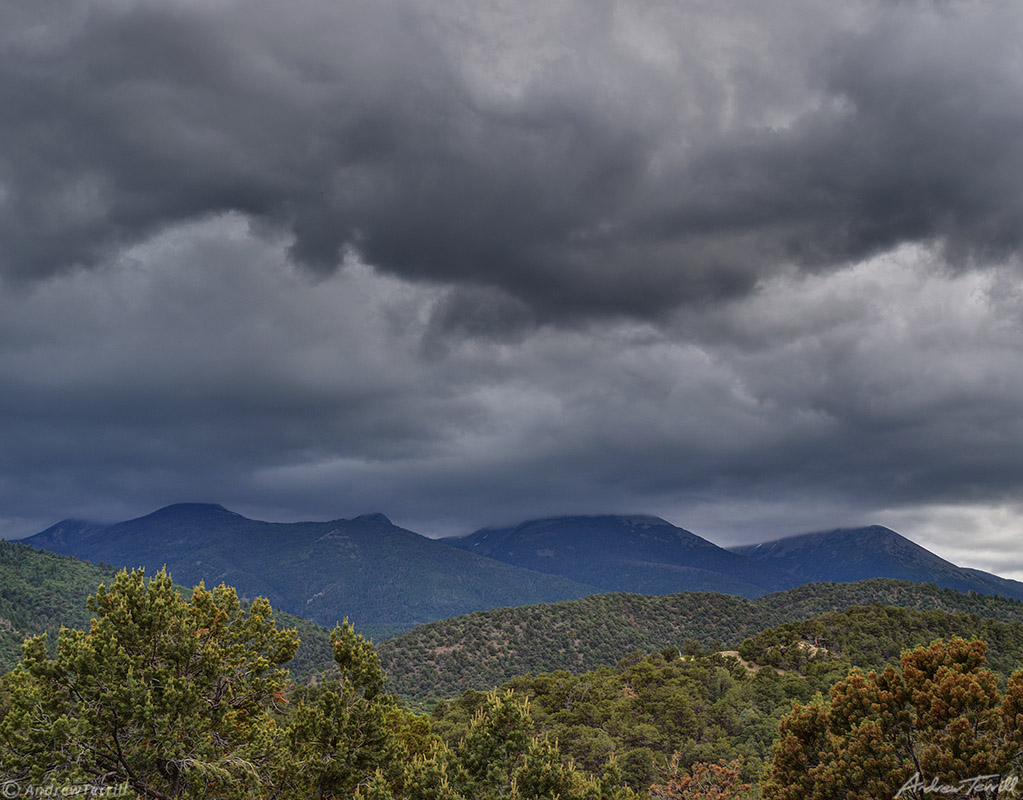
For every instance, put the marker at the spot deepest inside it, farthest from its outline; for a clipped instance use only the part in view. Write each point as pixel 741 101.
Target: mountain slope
pixel 383 578
pixel 852 554
pixel 871 636
pixel 641 554
pixel 484 649
pixel 40 592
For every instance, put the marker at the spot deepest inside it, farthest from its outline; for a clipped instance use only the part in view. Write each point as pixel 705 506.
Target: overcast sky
pixel 754 267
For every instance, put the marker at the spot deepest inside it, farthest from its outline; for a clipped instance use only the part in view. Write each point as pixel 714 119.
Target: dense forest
pixel 709 706
pixel 487 648
pixel 39 592
pixel 168 696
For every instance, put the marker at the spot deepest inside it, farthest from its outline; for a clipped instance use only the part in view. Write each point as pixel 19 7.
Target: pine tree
pixel 436 776
pixel 939 719
pixel 703 781
pixel 172 697
pixel 611 784
pixel 544 776
pixel 339 739
pixel 498 736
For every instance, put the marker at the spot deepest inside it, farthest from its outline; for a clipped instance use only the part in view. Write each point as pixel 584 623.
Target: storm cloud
pixel 754 267
pixel 599 157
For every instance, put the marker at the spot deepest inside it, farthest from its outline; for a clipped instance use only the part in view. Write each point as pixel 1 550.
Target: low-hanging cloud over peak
pixel 752 267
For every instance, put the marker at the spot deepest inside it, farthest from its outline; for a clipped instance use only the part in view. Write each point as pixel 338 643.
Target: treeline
pixel 487 648
pixel 707 706
pixel 41 592
pixel 168 698
pixel 873 636
pixel 171 698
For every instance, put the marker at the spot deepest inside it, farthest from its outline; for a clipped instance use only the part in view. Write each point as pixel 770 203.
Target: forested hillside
pixel 478 650
pixel 710 706
pixel 871 636
pixel 40 592
pixel 178 698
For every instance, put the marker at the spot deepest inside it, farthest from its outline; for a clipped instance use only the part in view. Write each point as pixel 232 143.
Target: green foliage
pixel 543 775
pixel 178 698
pixel 434 776
pixel 189 699
pixel 498 736
pixel 41 592
pixel 875 635
pixel 172 697
pixel 938 718
pixel 485 649
pixel 500 757
pixel 340 735
pixel 703 708
pixel 708 707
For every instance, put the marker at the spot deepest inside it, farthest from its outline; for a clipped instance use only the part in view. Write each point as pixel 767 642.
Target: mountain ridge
pixel 623 553
pixel 487 648
pixel 386 579
pixel 874 551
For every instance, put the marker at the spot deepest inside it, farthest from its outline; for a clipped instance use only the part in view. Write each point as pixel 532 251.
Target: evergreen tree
pixel 939 720
pixel 172 697
pixel 498 737
pixel 544 776
pixel 703 781
pixel 340 738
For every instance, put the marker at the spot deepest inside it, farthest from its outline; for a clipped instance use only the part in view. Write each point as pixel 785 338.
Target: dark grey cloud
pixel 602 158
pixel 754 267
pixel 200 366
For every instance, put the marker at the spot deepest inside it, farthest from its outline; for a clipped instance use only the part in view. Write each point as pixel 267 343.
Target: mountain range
pixel 648 555
pixel 387 579
pixel 41 592
pixel 640 554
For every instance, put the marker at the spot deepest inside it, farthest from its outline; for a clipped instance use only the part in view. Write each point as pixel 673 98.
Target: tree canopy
pixel 937 721
pixel 167 697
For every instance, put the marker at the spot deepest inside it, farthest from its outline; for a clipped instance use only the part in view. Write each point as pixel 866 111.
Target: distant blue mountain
pixel 853 554
pixel 640 554
pixel 387 579
pixel 384 578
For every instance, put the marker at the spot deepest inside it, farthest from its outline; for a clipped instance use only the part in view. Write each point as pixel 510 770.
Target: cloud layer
pixel 596 157
pixel 756 268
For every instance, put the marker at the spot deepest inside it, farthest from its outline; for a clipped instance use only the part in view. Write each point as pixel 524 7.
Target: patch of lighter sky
pixel 982 536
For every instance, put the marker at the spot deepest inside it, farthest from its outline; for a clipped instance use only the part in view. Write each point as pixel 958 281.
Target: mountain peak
pixel 853 554
pixel 191 508
pixel 630 553
pixel 376 516
pixel 628 519
pixel 194 512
